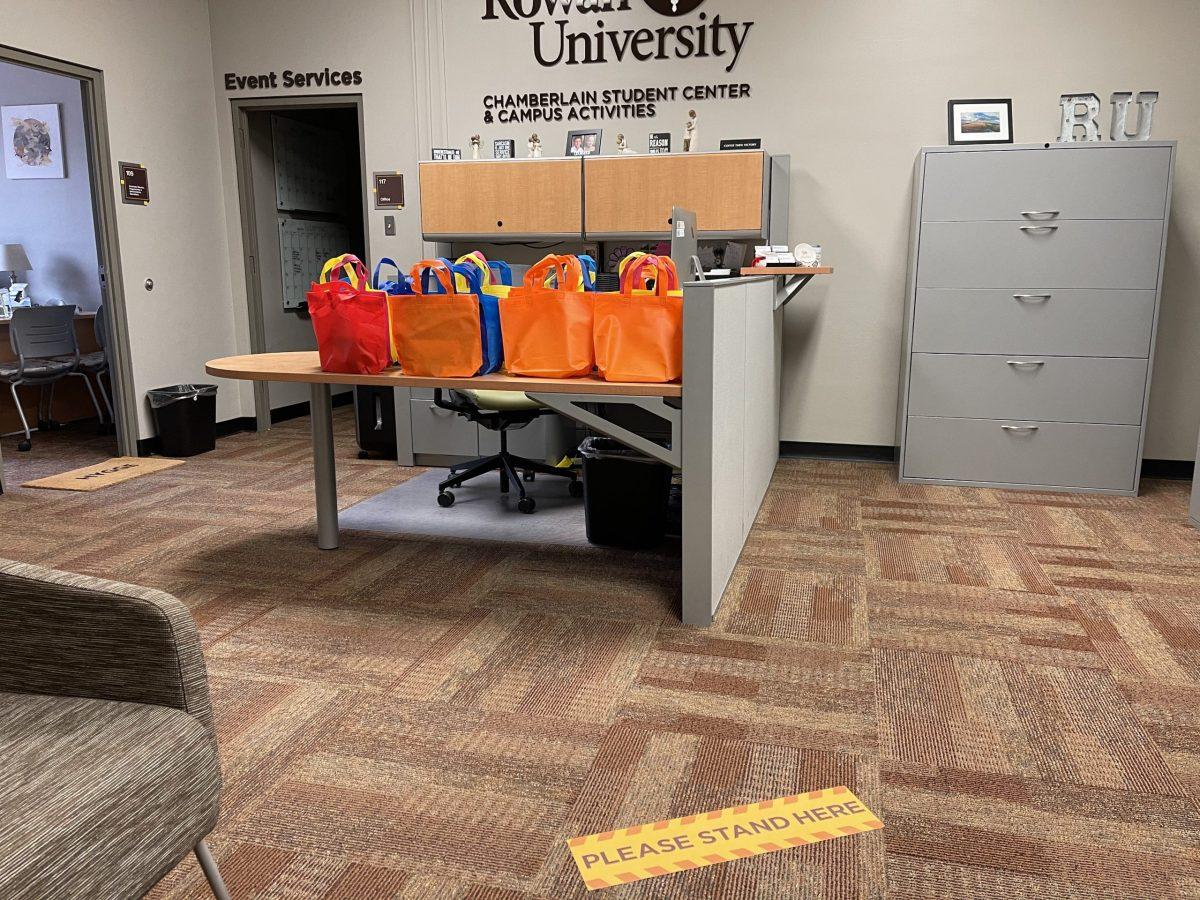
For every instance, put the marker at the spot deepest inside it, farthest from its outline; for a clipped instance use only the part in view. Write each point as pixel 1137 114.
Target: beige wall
pixel 157 66
pixel 850 89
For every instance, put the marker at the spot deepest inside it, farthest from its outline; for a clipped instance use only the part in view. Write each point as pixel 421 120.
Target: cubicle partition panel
pixel 732 349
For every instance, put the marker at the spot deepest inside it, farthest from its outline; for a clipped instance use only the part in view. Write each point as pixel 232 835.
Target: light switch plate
pixel 389 225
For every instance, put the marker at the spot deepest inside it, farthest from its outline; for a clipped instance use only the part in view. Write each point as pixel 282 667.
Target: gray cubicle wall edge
pixel 730 428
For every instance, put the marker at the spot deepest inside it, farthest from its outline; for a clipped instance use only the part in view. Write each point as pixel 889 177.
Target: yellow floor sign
pixel 676 845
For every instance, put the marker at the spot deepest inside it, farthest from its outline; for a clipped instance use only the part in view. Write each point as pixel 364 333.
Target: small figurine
pixel 535 147
pixel 690 143
pixel 475 141
pixel 623 145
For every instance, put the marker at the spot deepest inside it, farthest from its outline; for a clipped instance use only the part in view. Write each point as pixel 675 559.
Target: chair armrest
pixel 76 636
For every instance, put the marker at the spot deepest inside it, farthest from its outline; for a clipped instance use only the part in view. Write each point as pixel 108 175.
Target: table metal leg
pixel 321 408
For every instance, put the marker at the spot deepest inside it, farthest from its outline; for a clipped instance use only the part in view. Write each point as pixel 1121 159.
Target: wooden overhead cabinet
pixel 633 195
pixel 502 198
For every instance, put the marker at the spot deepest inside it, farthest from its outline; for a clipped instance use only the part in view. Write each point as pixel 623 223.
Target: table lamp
pixel 12 260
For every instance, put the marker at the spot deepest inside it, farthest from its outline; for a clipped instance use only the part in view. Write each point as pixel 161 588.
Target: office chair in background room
pixel 96 364
pixel 500 411
pixel 43 338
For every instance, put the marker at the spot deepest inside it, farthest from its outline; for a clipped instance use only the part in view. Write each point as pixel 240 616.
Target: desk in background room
pixel 71 400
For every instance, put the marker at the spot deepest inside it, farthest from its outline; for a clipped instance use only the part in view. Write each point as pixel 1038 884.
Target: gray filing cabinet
pixel 1033 291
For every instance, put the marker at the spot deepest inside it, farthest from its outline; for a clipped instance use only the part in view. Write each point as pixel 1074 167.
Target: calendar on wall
pixel 307 161
pixel 304 246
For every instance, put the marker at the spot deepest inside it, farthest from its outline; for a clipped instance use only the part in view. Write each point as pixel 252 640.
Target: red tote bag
pixel 351 326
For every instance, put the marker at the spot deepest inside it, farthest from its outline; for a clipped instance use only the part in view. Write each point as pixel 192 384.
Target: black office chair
pixel 96 363
pixel 43 338
pixel 500 411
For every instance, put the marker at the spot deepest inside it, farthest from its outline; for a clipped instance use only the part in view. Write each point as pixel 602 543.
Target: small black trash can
pixel 185 417
pixel 625 495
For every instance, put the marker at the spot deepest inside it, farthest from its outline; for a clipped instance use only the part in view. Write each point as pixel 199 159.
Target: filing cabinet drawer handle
pixel 1020 429
pixel 1026 363
pixel 1026 298
pixel 1041 214
pixel 1038 229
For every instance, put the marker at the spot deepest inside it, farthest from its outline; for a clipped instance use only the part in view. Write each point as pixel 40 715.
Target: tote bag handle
pixel 666 276
pixel 400 280
pixel 566 270
pixel 439 268
pixel 352 267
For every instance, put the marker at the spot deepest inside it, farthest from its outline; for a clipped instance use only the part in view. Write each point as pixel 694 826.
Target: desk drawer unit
pixel 1031 309
pixel 442 432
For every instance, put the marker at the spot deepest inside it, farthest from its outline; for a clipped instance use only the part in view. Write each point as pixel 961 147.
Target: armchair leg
pixel 211 872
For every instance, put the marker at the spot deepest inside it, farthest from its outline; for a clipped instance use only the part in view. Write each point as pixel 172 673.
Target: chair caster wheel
pixel 363 454
pixel 25 446
pixel 526 505
pixel 445 499
pixel 529 476
pixel 576 488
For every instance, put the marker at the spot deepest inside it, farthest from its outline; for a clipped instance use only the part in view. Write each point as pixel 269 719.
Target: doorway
pixel 60 224
pixel 302 193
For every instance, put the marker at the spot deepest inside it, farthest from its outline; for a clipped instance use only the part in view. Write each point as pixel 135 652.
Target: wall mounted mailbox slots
pixel 735 194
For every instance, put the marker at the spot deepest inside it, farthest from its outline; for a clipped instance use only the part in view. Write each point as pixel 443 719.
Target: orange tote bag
pixel 548 331
pixel 436 335
pixel 639 333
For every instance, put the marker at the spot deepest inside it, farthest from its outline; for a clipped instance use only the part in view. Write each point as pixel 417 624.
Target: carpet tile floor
pixel 1010 680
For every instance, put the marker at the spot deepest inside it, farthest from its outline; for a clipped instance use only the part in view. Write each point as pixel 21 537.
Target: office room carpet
pixel 1011 680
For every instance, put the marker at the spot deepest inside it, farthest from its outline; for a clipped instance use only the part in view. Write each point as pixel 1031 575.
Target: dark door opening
pixel 303 202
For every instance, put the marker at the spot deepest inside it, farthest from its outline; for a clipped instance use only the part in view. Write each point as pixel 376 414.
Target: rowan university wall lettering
pixel 590 32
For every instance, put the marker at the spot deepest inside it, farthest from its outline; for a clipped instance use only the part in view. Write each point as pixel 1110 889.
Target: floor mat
pixel 104 474
pixel 480 511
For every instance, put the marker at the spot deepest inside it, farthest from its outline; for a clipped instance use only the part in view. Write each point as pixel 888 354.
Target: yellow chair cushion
pixel 502 401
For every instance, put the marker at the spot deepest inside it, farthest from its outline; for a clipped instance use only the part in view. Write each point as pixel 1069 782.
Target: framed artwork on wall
pixel 979 121
pixel 33 142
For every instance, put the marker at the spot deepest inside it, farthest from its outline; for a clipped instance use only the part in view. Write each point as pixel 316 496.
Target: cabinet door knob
pixel 1040 214
pixel 1032 298
pixel 1020 429
pixel 1039 229
pixel 1026 363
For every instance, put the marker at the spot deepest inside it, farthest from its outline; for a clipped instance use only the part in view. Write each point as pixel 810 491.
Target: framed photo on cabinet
pixel 979 122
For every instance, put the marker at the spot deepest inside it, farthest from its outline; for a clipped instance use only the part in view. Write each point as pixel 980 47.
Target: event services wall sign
pixel 571 32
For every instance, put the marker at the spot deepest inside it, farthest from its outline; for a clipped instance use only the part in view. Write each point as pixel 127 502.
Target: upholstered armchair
pixel 108 759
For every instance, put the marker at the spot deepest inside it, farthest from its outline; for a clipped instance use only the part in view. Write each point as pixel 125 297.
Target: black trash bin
pixel 185 417
pixel 625 495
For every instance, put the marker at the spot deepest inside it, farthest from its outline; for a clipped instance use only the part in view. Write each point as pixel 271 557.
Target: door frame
pixel 241 108
pixel 104 213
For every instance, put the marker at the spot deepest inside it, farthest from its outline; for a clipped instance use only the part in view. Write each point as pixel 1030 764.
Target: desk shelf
pixel 795 278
